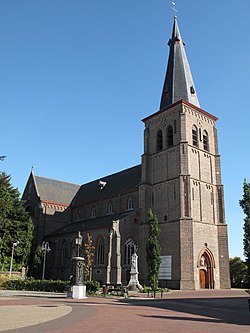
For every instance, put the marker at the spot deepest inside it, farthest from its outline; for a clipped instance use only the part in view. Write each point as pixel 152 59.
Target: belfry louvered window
pixel 159 144
pixel 195 136
pixel 170 136
pixel 205 141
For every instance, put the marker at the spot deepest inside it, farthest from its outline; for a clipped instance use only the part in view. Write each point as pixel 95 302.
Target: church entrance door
pixel 206 269
pixel 202 279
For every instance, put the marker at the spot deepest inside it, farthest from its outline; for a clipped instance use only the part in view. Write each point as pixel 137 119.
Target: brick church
pixel 179 178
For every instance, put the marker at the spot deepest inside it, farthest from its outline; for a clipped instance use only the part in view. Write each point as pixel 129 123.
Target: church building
pixel 179 178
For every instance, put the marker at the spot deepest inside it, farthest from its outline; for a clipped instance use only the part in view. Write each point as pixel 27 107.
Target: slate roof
pixel 117 183
pixel 55 191
pixel 178 83
pixel 102 222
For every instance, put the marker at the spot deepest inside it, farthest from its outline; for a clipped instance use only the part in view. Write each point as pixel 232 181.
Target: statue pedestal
pixel 79 292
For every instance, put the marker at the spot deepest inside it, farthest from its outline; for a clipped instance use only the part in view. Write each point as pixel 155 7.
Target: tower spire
pixel 178 81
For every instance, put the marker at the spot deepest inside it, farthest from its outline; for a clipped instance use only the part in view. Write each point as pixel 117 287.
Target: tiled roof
pixel 55 191
pixel 90 224
pixel 121 182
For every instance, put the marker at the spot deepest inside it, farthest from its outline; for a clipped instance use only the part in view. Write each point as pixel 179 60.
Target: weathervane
pixel 174 8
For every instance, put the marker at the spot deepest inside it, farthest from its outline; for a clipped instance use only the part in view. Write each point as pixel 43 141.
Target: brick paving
pixel 215 311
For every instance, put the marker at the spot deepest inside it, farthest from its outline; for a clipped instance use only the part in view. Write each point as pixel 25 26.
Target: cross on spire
pixel 174 8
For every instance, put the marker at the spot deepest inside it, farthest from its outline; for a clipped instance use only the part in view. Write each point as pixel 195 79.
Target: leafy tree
pixel 153 251
pixel 245 205
pixel 88 254
pixel 15 224
pixel 36 262
pixel 238 271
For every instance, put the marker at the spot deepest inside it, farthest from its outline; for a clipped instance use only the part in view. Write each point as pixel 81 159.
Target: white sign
pixel 165 272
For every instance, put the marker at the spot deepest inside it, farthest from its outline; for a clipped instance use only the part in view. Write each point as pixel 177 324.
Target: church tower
pixel 181 182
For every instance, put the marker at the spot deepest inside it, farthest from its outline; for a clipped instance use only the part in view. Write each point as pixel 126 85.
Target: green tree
pixel 15 224
pixel 238 272
pixel 245 205
pixel 88 255
pixel 153 251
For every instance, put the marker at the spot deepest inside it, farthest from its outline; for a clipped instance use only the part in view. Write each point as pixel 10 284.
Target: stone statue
pixel 134 282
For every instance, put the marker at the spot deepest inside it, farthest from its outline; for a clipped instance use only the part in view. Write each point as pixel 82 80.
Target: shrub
pixel 3 279
pixel 92 286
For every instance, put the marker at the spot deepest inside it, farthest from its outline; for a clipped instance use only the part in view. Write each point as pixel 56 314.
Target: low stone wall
pixel 18 275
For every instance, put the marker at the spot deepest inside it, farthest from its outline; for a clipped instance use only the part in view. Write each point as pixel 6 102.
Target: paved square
pixel 199 311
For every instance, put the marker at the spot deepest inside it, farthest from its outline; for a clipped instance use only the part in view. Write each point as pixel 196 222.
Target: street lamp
pixel 78 288
pixel 78 242
pixel 45 248
pixel 12 254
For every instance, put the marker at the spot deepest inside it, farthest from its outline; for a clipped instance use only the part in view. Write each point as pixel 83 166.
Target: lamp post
pixel 78 288
pixel 45 248
pixel 78 242
pixel 12 254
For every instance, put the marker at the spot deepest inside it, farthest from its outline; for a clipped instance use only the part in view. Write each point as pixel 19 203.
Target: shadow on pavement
pixel 225 310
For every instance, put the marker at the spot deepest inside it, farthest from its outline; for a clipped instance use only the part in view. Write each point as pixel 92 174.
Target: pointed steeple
pixel 178 81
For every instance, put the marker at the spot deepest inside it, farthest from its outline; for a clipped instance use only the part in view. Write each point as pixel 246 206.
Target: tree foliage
pixel 153 251
pixel 15 224
pixel 88 255
pixel 245 205
pixel 238 272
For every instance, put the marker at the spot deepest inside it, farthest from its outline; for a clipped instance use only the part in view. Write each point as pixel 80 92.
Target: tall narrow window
pixel 64 253
pixel 78 215
pixel 100 252
pixel 130 204
pixel 170 136
pixel 93 212
pixel 110 208
pixel 159 144
pixel 205 141
pixel 129 250
pixel 195 135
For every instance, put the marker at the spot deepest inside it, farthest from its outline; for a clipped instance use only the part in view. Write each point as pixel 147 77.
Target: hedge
pixel 37 285
pixel 47 285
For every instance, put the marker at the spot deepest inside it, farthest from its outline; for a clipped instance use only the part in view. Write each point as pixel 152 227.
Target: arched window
pixel 170 136
pixel 159 144
pixel 130 203
pixel 100 252
pixel 195 135
pixel 110 208
pixel 205 141
pixel 129 250
pixel 64 253
pixel 78 214
pixel 93 212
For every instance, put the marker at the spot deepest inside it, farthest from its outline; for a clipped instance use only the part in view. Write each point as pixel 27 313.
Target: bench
pixel 115 290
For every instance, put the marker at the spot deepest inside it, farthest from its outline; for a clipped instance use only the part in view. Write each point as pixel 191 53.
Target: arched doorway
pixel 206 269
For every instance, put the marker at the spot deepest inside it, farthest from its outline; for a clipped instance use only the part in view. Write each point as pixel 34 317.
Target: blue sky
pixel 77 77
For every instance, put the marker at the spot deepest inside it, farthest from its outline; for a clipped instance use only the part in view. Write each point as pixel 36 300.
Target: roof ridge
pixel 112 174
pixel 56 180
